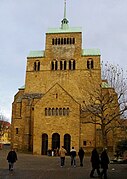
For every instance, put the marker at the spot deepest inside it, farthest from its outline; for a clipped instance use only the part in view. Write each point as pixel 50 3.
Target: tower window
pixel 61 65
pixel 71 64
pixel 37 65
pixel 53 41
pixel 63 41
pixel 65 65
pixel 54 65
pixel 73 40
pixel 17 130
pixel 58 41
pixel 90 64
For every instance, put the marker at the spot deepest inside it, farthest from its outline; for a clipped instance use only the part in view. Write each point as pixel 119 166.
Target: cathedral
pixel 47 110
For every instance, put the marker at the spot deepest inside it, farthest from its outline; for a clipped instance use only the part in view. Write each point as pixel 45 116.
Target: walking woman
pixel 95 163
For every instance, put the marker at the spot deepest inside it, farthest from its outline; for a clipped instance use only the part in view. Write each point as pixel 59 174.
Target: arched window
pixel 46 112
pixel 64 112
pixel 53 112
pixel 60 111
pixel 68 111
pixel 57 111
pixel 49 112
pixel 90 64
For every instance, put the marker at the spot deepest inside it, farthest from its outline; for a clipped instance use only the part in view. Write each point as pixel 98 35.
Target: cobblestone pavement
pixel 31 166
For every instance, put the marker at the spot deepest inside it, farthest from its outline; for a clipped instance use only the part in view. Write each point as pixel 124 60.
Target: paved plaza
pixel 31 166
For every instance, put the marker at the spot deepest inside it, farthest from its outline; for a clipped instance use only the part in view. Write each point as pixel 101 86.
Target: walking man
pixel 104 163
pixel 81 156
pixel 62 153
pixel 73 157
pixel 11 157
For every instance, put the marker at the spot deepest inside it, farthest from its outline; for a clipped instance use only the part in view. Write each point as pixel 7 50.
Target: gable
pixel 56 96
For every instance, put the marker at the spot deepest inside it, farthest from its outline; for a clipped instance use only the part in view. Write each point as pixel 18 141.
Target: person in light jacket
pixel 62 153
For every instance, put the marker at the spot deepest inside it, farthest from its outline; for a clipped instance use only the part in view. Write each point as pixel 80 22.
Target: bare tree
pixel 3 126
pixel 107 103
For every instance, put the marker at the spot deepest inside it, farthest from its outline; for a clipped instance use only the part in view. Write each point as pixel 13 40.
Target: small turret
pixel 64 22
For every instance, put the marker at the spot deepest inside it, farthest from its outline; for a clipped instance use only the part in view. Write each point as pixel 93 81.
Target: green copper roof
pixel 64 30
pixel 105 84
pixel 36 54
pixel 93 52
pixel 22 87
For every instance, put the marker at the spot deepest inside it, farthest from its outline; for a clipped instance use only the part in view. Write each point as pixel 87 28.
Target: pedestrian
pixel 62 153
pixel 104 163
pixel 73 157
pixel 11 157
pixel 95 160
pixel 81 156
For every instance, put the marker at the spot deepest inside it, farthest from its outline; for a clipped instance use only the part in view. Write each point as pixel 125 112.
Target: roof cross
pixel 64 8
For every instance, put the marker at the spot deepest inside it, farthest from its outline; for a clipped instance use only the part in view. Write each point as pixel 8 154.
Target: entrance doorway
pixel 67 141
pixel 44 144
pixel 55 141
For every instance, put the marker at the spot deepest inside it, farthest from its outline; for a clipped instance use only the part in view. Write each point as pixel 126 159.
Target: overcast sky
pixel 23 24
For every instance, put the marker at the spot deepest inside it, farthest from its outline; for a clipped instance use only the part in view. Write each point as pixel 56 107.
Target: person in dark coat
pixel 81 156
pixel 11 157
pixel 95 160
pixel 104 163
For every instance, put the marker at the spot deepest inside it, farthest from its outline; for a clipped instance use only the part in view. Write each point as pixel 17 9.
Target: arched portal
pixel 55 141
pixel 44 144
pixel 67 142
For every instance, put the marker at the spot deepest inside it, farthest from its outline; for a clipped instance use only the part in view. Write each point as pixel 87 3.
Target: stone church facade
pixel 46 112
